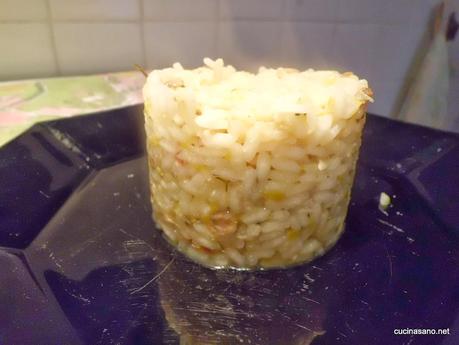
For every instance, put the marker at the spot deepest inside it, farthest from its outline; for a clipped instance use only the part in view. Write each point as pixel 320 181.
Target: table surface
pixel 23 103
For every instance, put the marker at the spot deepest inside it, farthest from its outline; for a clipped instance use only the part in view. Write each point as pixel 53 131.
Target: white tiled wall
pixel 100 46
pixel 23 10
pixel 165 42
pixel 306 44
pixel 183 10
pixel 98 10
pixel 251 9
pixel 256 42
pixel 374 38
pixel 26 50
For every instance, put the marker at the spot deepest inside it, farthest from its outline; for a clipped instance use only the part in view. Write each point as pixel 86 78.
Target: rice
pixel 252 170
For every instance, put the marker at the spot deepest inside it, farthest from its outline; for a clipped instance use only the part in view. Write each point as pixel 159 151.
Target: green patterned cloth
pixel 23 103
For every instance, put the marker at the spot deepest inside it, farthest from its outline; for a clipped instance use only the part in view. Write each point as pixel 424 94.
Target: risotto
pixel 252 170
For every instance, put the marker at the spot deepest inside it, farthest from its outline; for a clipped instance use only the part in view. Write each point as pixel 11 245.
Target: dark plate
pixel 81 262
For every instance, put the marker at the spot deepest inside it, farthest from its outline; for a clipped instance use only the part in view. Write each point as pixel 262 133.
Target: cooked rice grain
pixel 252 170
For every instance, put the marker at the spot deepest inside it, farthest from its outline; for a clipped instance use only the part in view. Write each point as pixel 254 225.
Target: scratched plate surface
pixel 81 261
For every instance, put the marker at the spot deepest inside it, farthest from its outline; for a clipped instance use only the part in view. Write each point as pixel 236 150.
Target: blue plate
pixel 82 263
